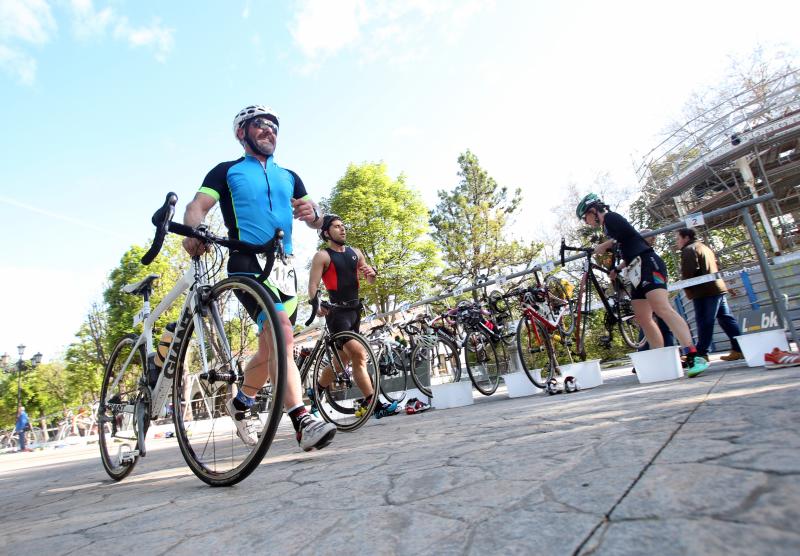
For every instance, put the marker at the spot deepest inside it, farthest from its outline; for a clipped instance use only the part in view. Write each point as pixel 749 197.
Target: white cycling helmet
pixel 251 112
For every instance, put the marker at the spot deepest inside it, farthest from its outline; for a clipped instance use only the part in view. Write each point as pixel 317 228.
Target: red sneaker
pixel 777 359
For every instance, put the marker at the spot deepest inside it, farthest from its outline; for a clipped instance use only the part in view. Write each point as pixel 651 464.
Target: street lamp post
pixel 20 367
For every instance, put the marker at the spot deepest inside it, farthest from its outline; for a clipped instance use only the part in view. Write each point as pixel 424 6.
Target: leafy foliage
pixel 471 224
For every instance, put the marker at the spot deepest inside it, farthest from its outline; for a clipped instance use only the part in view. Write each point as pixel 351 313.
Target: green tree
pixel 472 223
pixel 387 221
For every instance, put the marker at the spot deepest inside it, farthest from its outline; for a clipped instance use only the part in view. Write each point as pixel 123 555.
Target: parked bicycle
pixel 218 330
pixel 616 301
pixel 434 354
pixel 342 402
pixel 484 347
pixel 391 358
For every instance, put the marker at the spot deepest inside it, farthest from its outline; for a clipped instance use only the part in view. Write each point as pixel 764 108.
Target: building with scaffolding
pixel 745 146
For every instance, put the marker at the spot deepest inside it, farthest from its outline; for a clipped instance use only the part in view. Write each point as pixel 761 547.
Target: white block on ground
pixel 518 385
pixel 456 394
pixel 655 365
pixel 586 373
pixel 755 345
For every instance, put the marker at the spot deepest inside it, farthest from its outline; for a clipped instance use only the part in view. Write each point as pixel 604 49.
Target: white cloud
pixel 379 29
pixel 154 36
pixel 18 64
pixel 89 22
pixel 321 27
pixel 30 23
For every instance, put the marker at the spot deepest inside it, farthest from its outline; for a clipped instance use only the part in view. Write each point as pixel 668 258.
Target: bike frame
pixel 193 279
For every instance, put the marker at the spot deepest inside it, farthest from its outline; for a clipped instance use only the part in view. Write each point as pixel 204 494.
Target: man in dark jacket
pixel 709 298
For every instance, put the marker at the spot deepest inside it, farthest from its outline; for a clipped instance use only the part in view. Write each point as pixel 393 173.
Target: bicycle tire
pixel 116 424
pixel 397 367
pixel 444 366
pixel 536 353
pixel 582 319
pixel 341 403
pixel 483 364
pixel 229 338
pixel 626 322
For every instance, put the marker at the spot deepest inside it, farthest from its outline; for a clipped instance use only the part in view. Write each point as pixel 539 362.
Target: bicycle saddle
pixel 141 286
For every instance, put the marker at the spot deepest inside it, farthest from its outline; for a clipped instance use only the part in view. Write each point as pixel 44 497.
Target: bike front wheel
pixel 536 352
pixel 484 364
pixel 343 401
pixel 118 434
pixel 234 327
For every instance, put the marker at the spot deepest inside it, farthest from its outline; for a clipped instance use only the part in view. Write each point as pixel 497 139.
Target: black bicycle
pixel 343 401
pixel 616 300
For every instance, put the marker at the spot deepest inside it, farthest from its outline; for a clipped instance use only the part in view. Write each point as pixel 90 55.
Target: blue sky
pixel 107 105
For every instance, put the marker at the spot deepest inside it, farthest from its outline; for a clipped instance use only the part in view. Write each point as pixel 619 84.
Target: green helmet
pixel 591 200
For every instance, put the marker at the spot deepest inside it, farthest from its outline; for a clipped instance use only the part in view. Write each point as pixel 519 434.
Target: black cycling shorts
pixel 249 265
pixel 654 275
pixel 341 320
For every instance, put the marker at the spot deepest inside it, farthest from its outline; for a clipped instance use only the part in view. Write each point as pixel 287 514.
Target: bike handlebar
pixel 564 247
pixel 162 219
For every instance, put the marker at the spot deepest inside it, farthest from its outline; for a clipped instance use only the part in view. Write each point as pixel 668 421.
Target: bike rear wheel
pixel 218 343
pixel 536 352
pixel 438 357
pixel 118 434
pixel 484 365
pixel 628 326
pixel 342 402
pixel 394 374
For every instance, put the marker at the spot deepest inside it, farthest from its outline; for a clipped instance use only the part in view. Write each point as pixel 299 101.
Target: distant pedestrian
pixel 709 298
pixel 22 426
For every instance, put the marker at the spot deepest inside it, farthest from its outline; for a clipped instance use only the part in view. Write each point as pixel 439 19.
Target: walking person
pixel 256 197
pixel 22 426
pixel 339 266
pixel 648 274
pixel 708 299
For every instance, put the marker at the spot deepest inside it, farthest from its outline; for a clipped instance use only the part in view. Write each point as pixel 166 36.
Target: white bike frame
pixel 193 279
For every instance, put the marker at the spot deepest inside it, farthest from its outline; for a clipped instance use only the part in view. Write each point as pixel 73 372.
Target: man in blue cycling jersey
pixel 256 197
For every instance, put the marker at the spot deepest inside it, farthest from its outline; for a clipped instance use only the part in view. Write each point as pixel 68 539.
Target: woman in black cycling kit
pixel 648 274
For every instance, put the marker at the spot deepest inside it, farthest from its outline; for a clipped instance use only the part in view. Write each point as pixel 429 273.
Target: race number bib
pixel 283 277
pixel 633 272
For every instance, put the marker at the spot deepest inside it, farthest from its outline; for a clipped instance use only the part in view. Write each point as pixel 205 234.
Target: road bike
pixel 342 402
pixel 391 357
pixel 484 347
pixel 616 300
pixel 434 354
pixel 220 327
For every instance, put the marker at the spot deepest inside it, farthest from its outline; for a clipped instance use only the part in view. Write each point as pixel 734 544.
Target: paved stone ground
pixel 703 466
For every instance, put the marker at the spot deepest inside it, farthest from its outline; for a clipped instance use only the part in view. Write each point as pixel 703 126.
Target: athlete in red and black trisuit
pixel 338 266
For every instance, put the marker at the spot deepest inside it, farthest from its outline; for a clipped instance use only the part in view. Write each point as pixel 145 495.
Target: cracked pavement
pixel 703 466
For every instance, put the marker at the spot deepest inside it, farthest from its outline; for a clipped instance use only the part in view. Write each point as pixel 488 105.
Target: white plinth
pixel 755 345
pixel 519 385
pixel 455 394
pixel 655 365
pixel 586 373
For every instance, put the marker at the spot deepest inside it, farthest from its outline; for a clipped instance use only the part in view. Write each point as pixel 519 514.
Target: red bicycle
pixel 542 332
